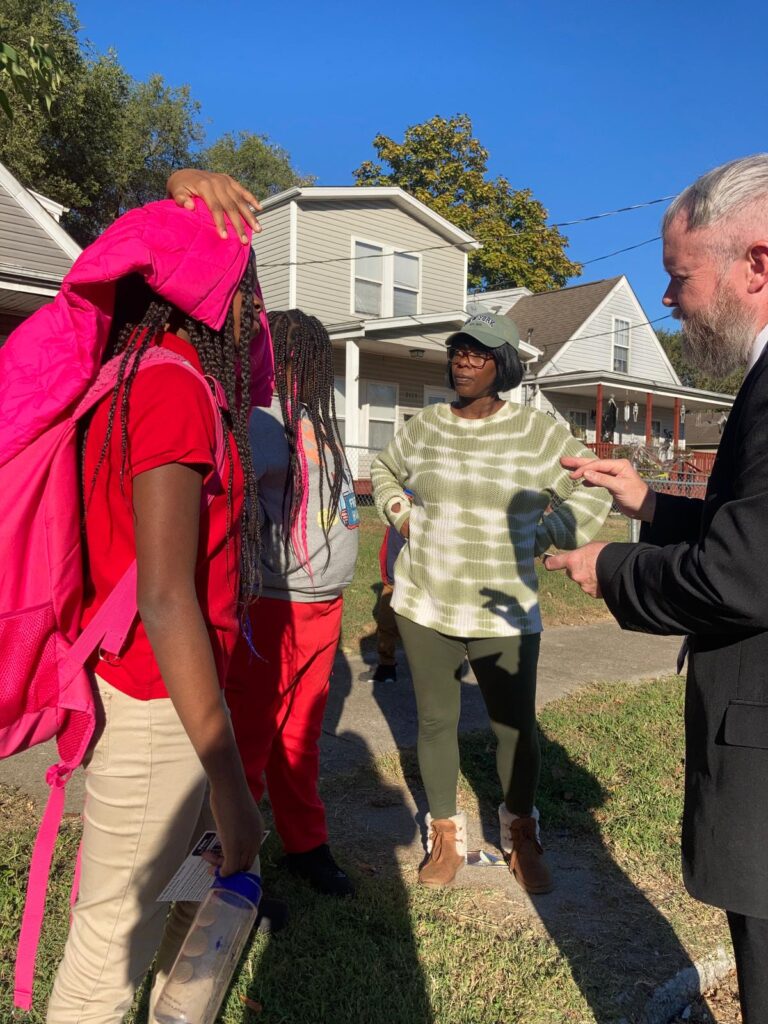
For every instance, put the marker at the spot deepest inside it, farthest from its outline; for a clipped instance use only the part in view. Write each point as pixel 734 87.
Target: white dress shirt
pixel 757 347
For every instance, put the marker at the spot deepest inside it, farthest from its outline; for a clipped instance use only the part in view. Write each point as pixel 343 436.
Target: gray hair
pixel 721 193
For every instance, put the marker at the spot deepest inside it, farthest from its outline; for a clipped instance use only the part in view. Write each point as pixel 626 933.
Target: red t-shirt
pixel 170 419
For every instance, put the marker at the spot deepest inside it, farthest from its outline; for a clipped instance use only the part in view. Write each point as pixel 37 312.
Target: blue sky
pixel 593 106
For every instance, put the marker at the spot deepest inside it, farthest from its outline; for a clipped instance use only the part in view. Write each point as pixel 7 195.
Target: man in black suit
pixel 701 567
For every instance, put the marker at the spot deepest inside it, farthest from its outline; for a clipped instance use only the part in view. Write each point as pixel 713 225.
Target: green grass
pixel 562 603
pixel 610 798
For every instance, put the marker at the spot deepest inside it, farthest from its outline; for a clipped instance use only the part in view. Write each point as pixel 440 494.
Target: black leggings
pixel 505 668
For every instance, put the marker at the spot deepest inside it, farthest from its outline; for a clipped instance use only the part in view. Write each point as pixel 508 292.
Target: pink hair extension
pixel 299 528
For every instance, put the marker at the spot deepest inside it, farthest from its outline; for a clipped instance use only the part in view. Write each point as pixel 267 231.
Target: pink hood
pixel 50 360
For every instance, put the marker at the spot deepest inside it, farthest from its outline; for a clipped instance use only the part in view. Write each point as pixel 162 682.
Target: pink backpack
pixel 47 366
pixel 45 690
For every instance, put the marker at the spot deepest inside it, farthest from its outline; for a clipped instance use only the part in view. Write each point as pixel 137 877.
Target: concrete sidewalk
pixel 365 718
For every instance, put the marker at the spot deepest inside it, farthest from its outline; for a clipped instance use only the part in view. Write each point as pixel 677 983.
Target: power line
pixel 431 248
pixel 352 259
pixel 612 213
pixel 456 245
pixel 616 252
pixel 605 334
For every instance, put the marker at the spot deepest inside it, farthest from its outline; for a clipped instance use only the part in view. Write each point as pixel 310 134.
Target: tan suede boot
pixel 447 849
pixel 521 846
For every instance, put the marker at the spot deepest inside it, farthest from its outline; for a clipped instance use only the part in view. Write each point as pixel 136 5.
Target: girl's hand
pixel 239 826
pixel 405 529
pixel 226 198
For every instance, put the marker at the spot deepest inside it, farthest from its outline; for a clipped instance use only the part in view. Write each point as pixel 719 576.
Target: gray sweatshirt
pixel 287 578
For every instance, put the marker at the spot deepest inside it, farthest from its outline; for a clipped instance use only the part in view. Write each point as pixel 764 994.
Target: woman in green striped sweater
pixel 489 495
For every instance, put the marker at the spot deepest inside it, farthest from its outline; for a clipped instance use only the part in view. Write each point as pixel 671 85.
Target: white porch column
pixel 515 395
pixel 352 408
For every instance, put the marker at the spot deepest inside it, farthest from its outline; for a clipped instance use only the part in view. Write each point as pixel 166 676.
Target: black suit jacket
pixel 701 568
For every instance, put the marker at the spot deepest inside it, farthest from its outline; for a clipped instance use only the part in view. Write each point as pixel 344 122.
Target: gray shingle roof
pixel 554 317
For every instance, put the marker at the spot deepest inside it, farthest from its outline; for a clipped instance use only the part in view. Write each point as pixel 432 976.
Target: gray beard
pixel 720 340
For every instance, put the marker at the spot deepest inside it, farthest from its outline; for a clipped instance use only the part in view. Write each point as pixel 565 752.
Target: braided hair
pixel 304 381
pixel 140 316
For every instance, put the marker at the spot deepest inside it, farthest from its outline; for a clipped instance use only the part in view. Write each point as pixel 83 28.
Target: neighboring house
pixel 388 278
pixel 35 251
pixel 602 369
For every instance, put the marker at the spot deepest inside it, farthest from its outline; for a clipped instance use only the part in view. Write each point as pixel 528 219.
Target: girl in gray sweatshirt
pixel 309 539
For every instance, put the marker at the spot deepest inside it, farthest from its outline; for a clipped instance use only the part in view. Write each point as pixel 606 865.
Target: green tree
pixel 689 375
pixel 262 166
pixel 441 163
pixel 112 142
pixel 31 71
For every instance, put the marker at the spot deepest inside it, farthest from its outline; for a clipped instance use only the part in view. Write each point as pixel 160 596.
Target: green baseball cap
pixel 489 329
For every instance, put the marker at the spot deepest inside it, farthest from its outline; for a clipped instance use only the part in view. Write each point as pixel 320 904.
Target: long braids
pixel 302 343
pixel 140 315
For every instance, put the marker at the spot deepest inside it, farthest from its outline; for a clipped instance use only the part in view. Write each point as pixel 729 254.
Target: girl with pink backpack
pixel 167 308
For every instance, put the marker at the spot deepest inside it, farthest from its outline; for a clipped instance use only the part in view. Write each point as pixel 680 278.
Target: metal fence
pixel 688 483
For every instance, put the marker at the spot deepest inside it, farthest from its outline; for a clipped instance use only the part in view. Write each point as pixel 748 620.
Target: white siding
pixel 587 352
pixel 325 231
pixel 272 246
pixel 24 247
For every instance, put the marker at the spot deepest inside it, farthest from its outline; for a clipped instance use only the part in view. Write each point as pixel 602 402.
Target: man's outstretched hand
pixel 631 494
pixel 579 565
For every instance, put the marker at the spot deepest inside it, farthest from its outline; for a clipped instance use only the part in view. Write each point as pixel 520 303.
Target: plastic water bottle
pixel 204 967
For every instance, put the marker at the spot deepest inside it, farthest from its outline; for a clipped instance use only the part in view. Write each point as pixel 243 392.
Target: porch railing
pixel 681 472
pixel 685 474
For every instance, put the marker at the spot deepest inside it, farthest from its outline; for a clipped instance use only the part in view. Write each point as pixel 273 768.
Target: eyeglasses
pixel 476 360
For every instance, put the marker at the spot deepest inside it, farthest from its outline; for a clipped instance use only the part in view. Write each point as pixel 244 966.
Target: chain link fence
pixel 360 457
pixel 663 485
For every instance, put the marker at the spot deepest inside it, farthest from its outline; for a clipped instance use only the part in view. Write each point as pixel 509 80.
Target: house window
pixel 385 283
pixel 578 421
pixel 620 345
pixel 381 413
pixel 340 398
pixel 369 271
pixel 405 296
pixel 655 428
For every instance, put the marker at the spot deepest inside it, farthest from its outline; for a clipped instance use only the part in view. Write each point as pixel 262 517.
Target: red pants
pixel 277 710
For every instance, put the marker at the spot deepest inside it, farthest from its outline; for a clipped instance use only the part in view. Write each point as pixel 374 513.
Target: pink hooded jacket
pixel 50 360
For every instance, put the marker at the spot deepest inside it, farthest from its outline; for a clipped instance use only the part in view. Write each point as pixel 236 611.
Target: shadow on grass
pixel 618 945
pixel 341 960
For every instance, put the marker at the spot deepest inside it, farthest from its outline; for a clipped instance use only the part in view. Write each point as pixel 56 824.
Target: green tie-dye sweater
pixel 480 490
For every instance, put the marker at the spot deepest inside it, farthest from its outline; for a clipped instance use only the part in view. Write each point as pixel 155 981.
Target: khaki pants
pixel 146 804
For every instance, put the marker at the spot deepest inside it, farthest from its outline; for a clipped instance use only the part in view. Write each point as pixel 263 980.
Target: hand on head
pixel 631 494
pixel 226 198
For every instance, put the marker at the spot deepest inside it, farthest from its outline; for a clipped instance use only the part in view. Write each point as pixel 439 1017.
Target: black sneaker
pixel 272 916
pixel 321 871
pixel 385 674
